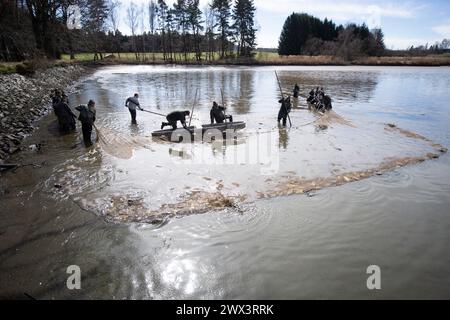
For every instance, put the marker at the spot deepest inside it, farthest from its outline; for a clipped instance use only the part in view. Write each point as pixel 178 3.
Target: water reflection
pixel 283 136
pixel 342 87
pixel 246 92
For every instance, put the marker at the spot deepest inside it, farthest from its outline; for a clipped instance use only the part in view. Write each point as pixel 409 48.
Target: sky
pixel 404 23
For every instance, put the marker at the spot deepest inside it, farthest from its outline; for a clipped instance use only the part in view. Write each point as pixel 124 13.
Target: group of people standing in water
pixel 317 98
pixel 66 118
pixel 87 116
pixel 87 113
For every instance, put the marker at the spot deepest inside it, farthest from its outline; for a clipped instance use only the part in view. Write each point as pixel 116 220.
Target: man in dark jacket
pixel 284 109
pixel 174 117
pixel 217 114
pixel 66 118
pixel 87 119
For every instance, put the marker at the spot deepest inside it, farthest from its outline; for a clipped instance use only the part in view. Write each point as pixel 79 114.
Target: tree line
pixel 436 48
pixel 303 34
pixel 181 31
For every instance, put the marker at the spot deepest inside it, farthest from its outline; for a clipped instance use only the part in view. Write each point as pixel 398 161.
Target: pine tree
pixel 195 22
pixel 299 28
pixel 222 10
pixel 95 21
pixel 244 26
pixel 181 16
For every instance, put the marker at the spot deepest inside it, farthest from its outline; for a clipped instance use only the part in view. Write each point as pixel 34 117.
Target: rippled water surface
pixel 275 213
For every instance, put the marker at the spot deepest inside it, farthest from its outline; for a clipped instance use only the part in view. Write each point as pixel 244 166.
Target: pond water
pixel 276 213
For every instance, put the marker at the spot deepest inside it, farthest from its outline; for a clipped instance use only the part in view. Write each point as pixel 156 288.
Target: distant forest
pixel 303 34
pixel 32 29
pixel 39 28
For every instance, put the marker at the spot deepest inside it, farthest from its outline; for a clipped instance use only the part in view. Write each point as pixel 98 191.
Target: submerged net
pixel 119 145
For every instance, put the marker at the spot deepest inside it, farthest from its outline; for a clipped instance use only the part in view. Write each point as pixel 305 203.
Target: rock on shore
pixel 23 100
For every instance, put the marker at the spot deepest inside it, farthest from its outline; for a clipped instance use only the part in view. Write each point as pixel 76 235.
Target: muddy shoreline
pixel 25 100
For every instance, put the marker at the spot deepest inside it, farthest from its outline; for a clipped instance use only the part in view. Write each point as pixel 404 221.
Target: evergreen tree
pixel 194 19
pixel 244 26
pixel 181 16
pixel 222 10
pixel 299 29
pixel 95 23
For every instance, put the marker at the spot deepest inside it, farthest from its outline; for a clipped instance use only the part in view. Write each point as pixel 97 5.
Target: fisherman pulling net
pixel 319 100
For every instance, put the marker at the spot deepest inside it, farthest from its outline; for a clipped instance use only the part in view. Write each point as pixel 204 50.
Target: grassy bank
pixel 7 67
pixel 271 58
pixel 260 58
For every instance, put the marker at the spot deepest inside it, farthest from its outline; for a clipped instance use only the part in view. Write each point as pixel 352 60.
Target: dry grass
pixel 431 60
pixel 260 58
pixel 274 58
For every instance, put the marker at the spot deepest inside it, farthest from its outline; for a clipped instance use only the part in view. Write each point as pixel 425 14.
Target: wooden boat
pixel 211 129
pixel 237 125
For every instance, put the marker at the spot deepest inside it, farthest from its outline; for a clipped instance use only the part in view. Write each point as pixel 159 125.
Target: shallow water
pixel 212 236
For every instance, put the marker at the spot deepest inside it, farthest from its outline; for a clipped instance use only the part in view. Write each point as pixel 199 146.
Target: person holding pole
pixel 132 103
pixel 284 109
pixel 283 113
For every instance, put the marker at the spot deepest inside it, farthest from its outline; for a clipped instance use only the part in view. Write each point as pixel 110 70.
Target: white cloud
pixel 405 43
pixel 443 30
pixel 346 10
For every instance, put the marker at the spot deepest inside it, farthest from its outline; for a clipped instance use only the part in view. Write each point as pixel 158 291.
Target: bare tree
pixel 162 17
pixel 152 16
pixel 133 21
pixel 113 18
pixel 142 25
pixel 210 23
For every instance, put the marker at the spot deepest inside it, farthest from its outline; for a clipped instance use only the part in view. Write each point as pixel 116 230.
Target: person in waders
pixel 218 115
pixel 132 103
pixel 284 109
pixel 87 119
pixel 296 90
pixel 66 118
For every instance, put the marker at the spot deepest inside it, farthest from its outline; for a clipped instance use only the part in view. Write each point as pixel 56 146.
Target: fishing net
pixel 119 145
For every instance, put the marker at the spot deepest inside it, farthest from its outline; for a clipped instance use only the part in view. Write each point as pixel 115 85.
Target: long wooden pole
pixel 159 114
pixel 221 93
pixel 282 96
pixel 193 105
